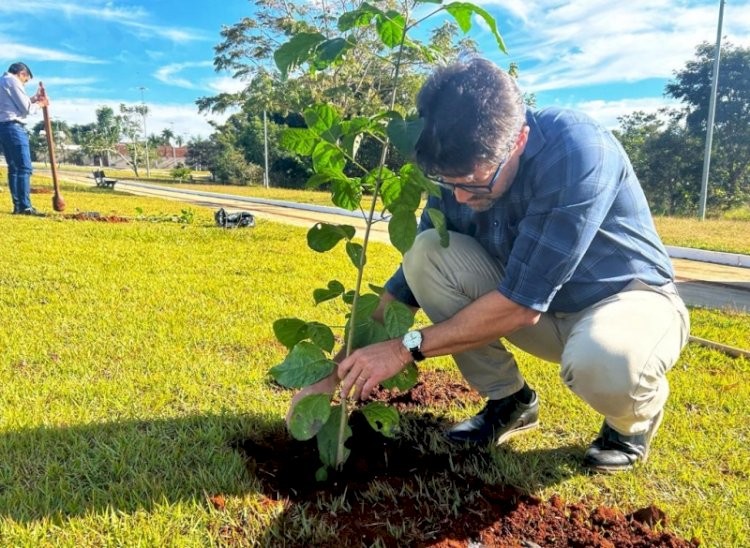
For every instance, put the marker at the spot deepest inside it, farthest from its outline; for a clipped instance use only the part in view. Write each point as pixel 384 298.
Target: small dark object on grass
pixel 236 219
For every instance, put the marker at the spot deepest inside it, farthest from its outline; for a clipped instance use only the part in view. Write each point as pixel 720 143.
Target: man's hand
pixel 326 386
pixel 367 367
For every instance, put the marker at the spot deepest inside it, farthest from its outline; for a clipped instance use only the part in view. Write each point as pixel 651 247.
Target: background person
pixel 15 105
pixel 552 247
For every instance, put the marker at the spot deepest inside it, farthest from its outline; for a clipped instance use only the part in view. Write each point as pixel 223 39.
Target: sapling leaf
pixel 323 120
pixel 296 51
pixel 403 380
pixel 328 156
pixel 299 140
pixel 331 51
pixel 346 193
pixel 366 306
pixel 354 250
pixel 324 177
pixel 376 289
pixel 304 365
pixel 324 237
pixel 334 289
pixel 321 474
pixel 398 319
pixel 321 335
pixel 402 229
pixel 361 17
pixel 417 178
pixel 382 418
pixel 438 221
pixel 462 12
pixel 368 332
pixel 290 331
pixel 309 416
pixel 390 187
pixel 404 134
pixel 328 438
pixel 348 297
pixel 390 27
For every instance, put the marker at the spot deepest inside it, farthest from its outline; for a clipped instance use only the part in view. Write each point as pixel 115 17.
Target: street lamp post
pixel 145 133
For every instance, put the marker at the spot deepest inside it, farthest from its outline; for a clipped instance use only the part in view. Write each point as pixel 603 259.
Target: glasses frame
pixel 471 189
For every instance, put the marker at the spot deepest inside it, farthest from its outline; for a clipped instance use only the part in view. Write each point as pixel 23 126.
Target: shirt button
pixel 495 223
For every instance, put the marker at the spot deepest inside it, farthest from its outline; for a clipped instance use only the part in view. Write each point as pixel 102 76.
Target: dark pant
pixel 15 144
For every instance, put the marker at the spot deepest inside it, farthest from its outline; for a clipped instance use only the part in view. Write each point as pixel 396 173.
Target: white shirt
pixel 15 105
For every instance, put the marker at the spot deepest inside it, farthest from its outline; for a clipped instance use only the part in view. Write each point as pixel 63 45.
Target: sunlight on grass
pixel 135 353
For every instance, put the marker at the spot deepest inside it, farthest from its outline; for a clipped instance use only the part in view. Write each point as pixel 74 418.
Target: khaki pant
pixel 614 354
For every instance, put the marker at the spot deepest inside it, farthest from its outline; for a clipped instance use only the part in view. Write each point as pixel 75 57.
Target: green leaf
pixel 332 50
pixel 377 289
pixel 360 17
pixel 299 140
pixel 335 288
pixel 354 251
pixel 296 51
pixel 403 380
pixel 321 335
pixel 328 438
pixel 290 331
pixel 324 177
pixel 324 237
pixel 367 304
pixel 382 418
pixel 304 365
pixel 438 221
pixel 321 118
pixel 462 12
pixel 402 229
pixel 321 474
pixel 398 319
pixel 346 193
pixel 390 28
pixel 417 178
pixel 309 416
pixel 390 187
pixel 348 297
pixel 328 156
pixel 367 333
pixel 404 134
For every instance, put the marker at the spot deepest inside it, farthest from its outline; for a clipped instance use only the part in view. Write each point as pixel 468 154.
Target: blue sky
pixel 606 58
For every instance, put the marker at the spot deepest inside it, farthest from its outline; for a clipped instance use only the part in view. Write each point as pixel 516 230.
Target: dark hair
pixel 472 112
pixel 17 68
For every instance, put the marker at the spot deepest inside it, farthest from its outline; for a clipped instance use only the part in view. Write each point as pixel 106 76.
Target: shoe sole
pixel 515 432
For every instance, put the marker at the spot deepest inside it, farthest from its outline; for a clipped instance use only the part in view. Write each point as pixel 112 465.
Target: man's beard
pixel 480 204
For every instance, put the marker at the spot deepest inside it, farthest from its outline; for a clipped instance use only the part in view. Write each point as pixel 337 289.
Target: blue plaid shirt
pixel 573 228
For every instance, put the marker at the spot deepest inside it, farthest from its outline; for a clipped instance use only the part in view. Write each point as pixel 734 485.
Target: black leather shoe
pixel 615 452
pixel 31 211
pixel 498 421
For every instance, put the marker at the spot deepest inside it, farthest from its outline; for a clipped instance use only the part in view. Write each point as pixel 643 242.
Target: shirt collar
pixel 535 141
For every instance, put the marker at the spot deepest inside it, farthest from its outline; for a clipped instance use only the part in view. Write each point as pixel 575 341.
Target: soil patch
pixel 91 216
pixel 40 190
pixel 399 492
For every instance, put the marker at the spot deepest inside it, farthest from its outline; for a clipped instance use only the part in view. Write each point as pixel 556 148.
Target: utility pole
pixel 711 115
pixel 266 182
pixel 145 132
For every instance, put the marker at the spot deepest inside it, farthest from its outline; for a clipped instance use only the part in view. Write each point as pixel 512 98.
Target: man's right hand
pixel 326 386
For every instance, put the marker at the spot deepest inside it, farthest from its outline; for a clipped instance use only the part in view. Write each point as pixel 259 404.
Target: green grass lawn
pixel 134 353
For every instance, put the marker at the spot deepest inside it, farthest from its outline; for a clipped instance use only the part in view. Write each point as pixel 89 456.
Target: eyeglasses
pixel 471 189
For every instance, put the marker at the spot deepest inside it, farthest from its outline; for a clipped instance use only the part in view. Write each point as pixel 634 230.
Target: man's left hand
pixel 367 367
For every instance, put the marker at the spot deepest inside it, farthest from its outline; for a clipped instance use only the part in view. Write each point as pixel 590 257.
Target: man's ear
pixel 523 138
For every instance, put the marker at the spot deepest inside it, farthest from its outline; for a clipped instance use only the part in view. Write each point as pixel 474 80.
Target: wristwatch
pixel 413 343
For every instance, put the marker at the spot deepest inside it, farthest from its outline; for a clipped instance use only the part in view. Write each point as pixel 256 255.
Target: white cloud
pixel 184 118
pixel 20 51
pixel 167 74
pixel 132 18
pixel 587 42
pixel 607 112
pixel 226 84
pixel 62 81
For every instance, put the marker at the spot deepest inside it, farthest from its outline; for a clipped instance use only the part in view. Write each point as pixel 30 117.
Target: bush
pixel 231 168
pixel 181 173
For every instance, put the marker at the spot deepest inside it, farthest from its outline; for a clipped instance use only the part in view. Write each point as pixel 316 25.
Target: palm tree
pixel 167 135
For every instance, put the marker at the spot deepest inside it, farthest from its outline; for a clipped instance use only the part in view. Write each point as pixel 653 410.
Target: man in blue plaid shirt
pixel 553 248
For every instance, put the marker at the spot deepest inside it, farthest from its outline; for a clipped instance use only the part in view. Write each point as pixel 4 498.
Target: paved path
pixel 699 283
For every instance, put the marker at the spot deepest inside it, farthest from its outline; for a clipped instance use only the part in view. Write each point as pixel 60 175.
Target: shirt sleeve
pixel 573 192
pixel 19 98
pixel 397 285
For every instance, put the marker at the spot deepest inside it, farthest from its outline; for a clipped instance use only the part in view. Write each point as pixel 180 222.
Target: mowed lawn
pixel 133 354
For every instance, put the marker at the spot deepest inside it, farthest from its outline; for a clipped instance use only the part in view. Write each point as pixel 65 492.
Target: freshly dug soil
pixel 400 494
pixel 83 216
pixel 38 190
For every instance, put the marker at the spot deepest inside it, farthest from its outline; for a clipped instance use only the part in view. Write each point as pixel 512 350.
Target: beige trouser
pixel 614 354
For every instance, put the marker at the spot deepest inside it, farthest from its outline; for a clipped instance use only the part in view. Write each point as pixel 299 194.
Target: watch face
pixel 413 339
